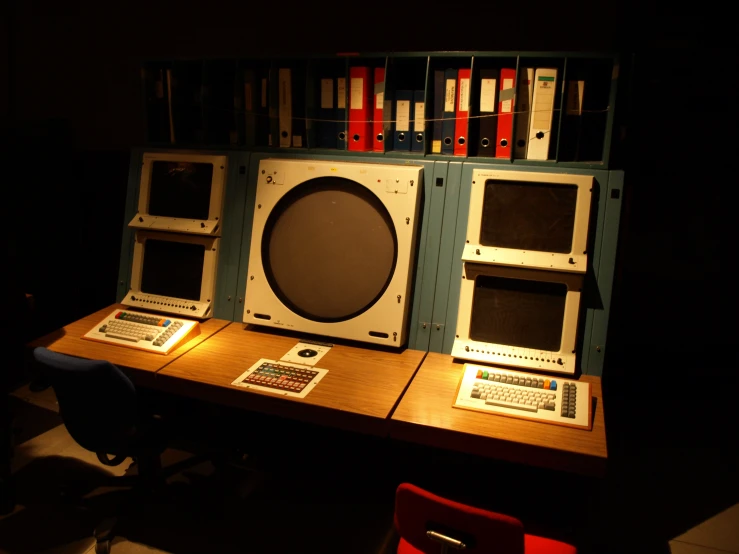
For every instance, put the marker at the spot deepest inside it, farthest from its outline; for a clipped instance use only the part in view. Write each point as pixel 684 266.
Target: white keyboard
pixel 285 379
pixel 525 395
pixel 143 331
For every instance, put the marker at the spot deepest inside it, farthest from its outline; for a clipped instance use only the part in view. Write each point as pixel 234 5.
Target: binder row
pixel 487 111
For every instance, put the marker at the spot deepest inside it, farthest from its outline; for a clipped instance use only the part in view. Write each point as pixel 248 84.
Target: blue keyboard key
pixel 553 385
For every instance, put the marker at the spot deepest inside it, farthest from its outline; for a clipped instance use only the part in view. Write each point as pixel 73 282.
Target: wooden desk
pixel 425 415
pixel 359 392
pixel 139 365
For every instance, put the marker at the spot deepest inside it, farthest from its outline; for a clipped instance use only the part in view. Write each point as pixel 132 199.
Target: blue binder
pixel 419 122
pixel 450 112
pixel 340 114
pixel 326 128
pixel 402 137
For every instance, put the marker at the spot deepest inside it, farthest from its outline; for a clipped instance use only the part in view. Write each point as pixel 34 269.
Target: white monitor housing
pixel 333 248
pixel 529 219
pixel 173 274
pixel 525 257
pixel 181 192
pixel 518 317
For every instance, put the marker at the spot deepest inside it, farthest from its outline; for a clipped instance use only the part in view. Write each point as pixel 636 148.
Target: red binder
pixel 378 136
pixel 360 109
pixel 506 102
pixel 461 137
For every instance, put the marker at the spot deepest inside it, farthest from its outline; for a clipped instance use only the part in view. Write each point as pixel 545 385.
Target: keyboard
pixel 143 331
pixel 285 379
pixel 525 395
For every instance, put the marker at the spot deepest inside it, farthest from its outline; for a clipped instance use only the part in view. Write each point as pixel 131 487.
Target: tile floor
pixel 63 491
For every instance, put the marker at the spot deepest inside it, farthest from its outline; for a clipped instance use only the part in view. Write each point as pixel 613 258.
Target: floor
pixel 287 503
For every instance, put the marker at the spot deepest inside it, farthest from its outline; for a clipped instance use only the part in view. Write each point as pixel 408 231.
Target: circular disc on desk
pixel 307 353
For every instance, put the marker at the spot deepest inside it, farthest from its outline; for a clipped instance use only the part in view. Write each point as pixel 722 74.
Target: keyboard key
pixel 120 336
pixel 514 405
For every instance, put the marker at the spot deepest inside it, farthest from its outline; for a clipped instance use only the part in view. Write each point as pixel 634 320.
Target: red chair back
pixel 418 511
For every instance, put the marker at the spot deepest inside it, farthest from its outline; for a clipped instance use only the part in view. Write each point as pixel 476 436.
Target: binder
pixel 419 122
pixel 285 108
pixel 157 109
pixel 594 119
pixel 360 109
pixel 185 82
pixel 542 112
pixel 571 134
pixel 439 90
pixel 252 94
pixel 487 110
pixel 506 103
pixel 524 97
pixel 326 128
pixel 273 107
pixel 403 101
pixel 450 112
pixel 340 114
pixel 262 109
pixel 378 133
pixel 298 93
pixel 461 127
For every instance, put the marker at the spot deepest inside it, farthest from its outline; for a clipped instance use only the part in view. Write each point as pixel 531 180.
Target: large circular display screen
pixel 329 249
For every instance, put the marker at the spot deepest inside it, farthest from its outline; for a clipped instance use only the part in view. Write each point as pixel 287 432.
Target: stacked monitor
pixel 178 225
pixel 333 248
pixel 524 263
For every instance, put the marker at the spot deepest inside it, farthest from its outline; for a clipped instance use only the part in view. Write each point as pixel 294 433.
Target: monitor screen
pixel 173 269
pixel 329 249
pixel 528 216
pixel 180 189
pixel 518 312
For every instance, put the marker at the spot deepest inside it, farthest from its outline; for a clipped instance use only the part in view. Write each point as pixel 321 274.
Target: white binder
pixel 542 111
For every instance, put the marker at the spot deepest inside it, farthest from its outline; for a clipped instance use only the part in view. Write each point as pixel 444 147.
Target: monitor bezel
pixel 399 190
pixel 574 261
pixel 201 308
pixel 211 226
pixel 515 356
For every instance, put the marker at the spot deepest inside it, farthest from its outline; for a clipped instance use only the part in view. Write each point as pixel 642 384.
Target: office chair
pixel 102 412
pixel 428 524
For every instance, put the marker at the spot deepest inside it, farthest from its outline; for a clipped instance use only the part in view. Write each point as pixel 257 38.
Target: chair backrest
pixel 97 401
pixel 418 511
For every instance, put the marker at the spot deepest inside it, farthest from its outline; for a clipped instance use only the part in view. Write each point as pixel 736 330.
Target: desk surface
pixel 425 415
pixel 359 392
pixel 67 340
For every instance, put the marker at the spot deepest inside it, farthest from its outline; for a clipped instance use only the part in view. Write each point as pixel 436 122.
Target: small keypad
pixel 281 377
pixel 569 401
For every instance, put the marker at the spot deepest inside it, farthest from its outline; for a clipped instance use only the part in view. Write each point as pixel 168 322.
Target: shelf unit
pixel 235 103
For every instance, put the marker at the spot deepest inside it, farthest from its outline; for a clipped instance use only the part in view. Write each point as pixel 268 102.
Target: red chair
pixel 430 524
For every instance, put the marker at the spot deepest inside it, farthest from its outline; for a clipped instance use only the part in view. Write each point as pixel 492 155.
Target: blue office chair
pixel 102 412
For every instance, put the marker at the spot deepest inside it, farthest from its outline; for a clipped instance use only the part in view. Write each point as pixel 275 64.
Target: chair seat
pixel 532 545
pixel 542 545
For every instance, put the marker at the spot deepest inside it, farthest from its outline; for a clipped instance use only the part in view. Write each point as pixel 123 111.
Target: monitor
pixel 333 248
pixel 529 219
pixel 519 317
pixel 173 273
pixel 181 192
